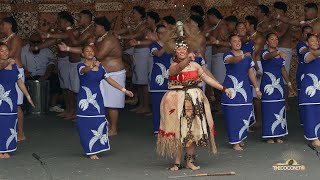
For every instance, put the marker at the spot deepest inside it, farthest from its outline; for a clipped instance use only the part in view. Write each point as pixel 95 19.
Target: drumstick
pixel 202 175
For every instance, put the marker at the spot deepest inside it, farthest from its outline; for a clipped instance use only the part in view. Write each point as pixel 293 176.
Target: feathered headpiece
pixel 183 35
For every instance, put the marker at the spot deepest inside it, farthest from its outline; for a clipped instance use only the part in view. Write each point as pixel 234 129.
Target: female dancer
pixel 301 48
pixel 238 110
pixel 159 77
pixel 185 110
pixel 274 124
pixel 9 76
pixel 309 97
pixel 91 121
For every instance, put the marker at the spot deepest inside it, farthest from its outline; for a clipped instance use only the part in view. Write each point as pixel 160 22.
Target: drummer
pixel 39 65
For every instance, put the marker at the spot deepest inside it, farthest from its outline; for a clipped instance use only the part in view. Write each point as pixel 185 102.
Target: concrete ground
pixel 132 155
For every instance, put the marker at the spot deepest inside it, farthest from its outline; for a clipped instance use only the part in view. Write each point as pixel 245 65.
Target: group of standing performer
pixel 79 77
pixel 246 62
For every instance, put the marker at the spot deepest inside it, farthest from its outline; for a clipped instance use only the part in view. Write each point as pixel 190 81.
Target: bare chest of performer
pixel 73 57
pixel 285 37
pixel 221 34
pixel 15 45
pixel 110 53
pixel 142 32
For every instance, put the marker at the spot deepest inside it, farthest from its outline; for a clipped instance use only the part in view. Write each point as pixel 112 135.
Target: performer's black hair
pixel 197 9
pixel 170 20
pixel 13 22
pixel 239 24
pixel 66 16
pixel 87 12
pixel 153 15
pixel 264 9
pixel 141 10
pixel 160 26
pixel 309 35
pixel 215 12
pixel 280 5
pixel 270 34
pixel 311 6
pixel 103 21
pixel 231 18
pixel 231 36
pixel 252 21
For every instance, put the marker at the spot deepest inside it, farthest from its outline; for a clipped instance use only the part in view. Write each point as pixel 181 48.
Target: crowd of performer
pixel 176 63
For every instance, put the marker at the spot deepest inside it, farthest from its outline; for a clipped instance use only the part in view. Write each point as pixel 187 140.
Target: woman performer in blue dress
pixel 159 77
pixel 309 96
pixel 91 121
pixel 238 110
pixel 301 49
pixel 9 76
pixel 274 124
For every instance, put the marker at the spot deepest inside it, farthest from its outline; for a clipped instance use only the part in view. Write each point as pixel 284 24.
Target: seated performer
pixel 309 96
pixel 38 64
pixel 91 122
pixel 186 119
pixel 274 124
pixel 238 110
pixel 9 76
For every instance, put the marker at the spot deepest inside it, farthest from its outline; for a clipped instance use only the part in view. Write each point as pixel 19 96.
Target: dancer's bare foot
pixel 191 166
pixel 143 110
pixel 316 143
pixel 21 137
pixel 175 167
pixel 112 132
pixel 270 141
pixel 1 156
pixel 241 144
pixel 6 156
pixel 94 157
pixel 237 147
pixel 278 141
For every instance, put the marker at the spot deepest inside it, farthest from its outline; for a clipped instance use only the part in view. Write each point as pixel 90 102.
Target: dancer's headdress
pixel 183 35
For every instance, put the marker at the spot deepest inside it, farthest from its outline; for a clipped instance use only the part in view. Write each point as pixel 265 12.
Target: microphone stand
pixel 44 166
